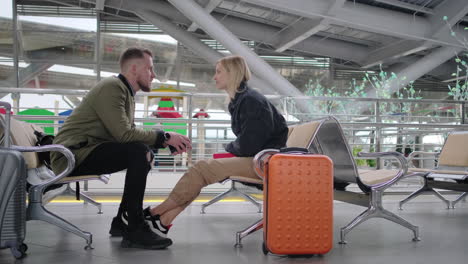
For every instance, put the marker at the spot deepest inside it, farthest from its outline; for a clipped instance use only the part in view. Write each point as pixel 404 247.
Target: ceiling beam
pixel 252 30
pixel 417 69
pixel 316 45
pixel 392 51
pixel 418 9
pixel 29 73
pixel 453 11
pixel 298 32
pixel 209 7
pixel 305 28
pixel 365 17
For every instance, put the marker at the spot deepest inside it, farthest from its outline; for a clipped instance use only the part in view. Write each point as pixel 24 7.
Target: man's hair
pixel 237 69
pixel 133 53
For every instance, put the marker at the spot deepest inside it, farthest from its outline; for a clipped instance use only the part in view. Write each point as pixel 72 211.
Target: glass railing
pixel 370 125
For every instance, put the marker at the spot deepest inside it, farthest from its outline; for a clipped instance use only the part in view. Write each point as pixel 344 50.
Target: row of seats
pixel 324 136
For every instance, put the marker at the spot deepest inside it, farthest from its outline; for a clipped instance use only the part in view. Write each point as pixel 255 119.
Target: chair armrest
pixel 65 151
pixel 260 161
pixel 413 154
pixel 401 172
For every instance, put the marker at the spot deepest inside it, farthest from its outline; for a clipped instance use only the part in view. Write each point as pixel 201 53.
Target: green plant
pixel 459 91
pixel 379 82
pixel 315 89
pixel 359 162
pixel 371 162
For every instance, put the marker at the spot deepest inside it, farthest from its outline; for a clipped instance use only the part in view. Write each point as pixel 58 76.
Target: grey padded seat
pixel 450 173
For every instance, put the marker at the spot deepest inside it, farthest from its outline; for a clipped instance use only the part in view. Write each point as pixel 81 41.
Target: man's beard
pixel 143 87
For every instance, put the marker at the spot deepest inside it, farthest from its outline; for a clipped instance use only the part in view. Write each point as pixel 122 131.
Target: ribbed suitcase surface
pixel 299 204
pixel 13 210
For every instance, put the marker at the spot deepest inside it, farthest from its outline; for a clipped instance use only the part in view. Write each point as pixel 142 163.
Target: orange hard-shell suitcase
pixel 298 204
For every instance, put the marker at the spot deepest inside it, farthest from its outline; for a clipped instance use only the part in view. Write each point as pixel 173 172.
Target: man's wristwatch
pixel 167 136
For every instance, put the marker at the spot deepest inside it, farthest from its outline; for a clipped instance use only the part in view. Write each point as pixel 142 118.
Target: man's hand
pixel 180 143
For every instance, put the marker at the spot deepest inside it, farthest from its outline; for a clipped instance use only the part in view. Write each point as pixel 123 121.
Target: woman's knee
pixel 205 172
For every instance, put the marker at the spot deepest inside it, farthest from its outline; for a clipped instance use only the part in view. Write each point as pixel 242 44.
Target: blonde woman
pixel 255 122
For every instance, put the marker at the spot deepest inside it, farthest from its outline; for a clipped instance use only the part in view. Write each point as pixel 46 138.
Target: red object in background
pixel 223 155
pixel 163 112
pixel 167 111
pixel 201 113
pixel 3 111
pixel 32 84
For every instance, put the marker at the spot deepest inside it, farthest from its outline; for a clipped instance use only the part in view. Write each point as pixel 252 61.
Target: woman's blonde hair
pixel 238 71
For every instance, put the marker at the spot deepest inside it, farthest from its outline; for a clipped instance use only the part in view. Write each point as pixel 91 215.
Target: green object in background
pixel 372 162
pixel 40 112
pixel 359 162
pixel 148 125
pixel 177 130
pixel 182 131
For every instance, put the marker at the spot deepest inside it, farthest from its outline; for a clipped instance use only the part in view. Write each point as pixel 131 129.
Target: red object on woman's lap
pixel 222 155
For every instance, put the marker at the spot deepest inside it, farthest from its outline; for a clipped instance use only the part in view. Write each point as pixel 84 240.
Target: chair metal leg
pixel 233 190
pixel 376 209
pixel 36 211
pixel 218 197
pixel 458 199
pixel 412 196
pixel 252 200
pixel 437 194
pixel 85 198
pixel 249 230
pixel 399 220
pixel 355 222
pixel 423 189
pixel 91 201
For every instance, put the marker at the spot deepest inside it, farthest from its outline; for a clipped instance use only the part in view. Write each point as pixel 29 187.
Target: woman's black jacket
pixel 256 123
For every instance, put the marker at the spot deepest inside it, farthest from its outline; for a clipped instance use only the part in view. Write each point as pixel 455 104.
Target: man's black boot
pixel 119 224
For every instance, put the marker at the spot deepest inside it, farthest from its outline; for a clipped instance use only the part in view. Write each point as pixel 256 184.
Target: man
pixel 102 135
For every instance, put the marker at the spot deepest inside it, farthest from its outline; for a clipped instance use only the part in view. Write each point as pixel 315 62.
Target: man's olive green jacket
pixel 106 114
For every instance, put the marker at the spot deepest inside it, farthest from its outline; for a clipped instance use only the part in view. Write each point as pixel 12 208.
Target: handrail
pixel 221 95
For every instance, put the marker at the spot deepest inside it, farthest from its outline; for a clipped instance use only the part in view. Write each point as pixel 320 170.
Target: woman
pixel 257 125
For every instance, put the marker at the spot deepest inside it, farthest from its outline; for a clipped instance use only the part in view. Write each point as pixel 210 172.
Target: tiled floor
pixel 210 238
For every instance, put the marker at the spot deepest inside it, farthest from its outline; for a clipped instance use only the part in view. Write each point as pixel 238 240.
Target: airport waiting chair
pixel 234 190
pixel 325 136
pixel 23 139
pixel 450 172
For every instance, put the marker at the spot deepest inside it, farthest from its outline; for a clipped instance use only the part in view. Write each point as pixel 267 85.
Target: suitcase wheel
pixel 264 249
pixel 20 251
pixel 23 248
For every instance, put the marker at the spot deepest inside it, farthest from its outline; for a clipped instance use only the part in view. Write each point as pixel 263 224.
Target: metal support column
pixel 97 48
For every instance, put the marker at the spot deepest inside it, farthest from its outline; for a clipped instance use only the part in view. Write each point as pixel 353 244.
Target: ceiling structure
pixel 417 39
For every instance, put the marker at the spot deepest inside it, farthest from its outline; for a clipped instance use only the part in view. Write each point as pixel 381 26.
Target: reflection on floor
pixel 209 238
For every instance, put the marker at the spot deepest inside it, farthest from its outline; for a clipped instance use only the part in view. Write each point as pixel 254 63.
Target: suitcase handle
pixel 294 149
pixel 261 160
